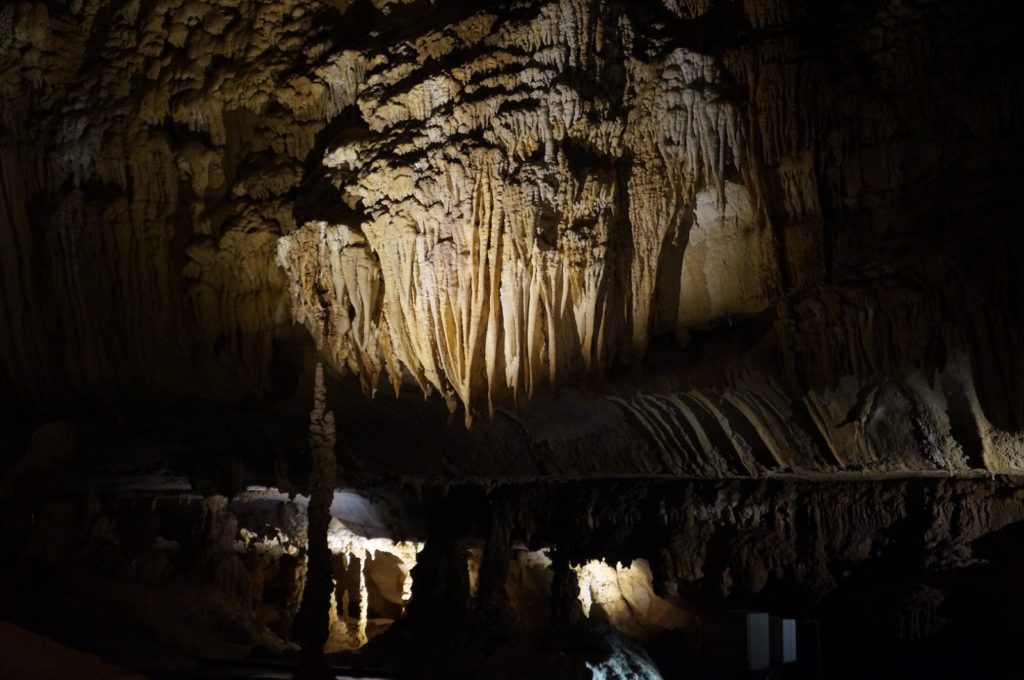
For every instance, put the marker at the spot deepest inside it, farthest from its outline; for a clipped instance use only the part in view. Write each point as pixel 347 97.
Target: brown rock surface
pixel 793 222
pixel 28 656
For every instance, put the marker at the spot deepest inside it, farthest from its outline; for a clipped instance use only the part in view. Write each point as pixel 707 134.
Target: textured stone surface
pixel 728 290
pixel 916 563
pixel 780 234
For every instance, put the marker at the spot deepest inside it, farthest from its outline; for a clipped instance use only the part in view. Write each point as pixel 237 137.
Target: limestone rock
pixel 780 234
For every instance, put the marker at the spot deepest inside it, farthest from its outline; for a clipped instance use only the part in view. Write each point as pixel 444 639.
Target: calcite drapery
pixel 521 203
pixel 493 199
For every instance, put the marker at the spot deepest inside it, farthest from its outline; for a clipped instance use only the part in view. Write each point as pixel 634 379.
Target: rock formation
pixel 521 197
pixel 631 312
pixel 318 595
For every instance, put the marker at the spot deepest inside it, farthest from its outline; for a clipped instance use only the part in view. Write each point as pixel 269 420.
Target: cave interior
pixel 619 339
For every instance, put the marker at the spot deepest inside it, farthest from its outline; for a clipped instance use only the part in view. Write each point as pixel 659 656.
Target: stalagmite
pixel 314 617
pixel 337 626
pixel 364 603
pixel 566 599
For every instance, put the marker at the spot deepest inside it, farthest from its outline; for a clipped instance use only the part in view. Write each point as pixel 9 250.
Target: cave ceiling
pixel 688 238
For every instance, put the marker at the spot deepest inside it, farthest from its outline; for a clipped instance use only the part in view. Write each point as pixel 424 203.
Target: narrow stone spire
pixel 314 615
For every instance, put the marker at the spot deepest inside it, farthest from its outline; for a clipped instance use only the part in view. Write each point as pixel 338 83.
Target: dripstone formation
pixel 630 312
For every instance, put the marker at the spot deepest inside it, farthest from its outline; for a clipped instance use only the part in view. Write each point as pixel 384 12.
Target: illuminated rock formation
pixel 521 197
pixel 514 234
pixel 624 596
pixel 710 303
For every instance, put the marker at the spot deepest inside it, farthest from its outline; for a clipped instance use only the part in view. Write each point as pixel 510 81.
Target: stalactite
pixel 144 114
pixel 490 288
pixel 568 187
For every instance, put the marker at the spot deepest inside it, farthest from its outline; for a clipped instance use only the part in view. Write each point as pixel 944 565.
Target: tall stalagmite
pixel 313 618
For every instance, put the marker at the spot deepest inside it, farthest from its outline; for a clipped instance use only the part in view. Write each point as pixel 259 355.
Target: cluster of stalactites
pixel 195 118
pixel 531 252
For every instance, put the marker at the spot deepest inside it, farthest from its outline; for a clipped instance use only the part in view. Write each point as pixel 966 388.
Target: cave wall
pixel 893 578
pixel 924 572
pixel 778 233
